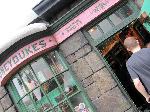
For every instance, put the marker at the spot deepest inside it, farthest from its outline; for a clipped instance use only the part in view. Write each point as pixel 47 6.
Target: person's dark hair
pixel 130 42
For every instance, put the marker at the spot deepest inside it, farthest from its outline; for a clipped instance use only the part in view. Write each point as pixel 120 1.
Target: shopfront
pixel 107 36
pixel 47 84
pixel 79 65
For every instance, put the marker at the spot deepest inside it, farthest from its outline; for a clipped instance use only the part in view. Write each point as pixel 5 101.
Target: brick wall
pixel 93 75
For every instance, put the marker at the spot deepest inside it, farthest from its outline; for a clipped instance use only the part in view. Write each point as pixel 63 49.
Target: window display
pixel 46 85
pixel 41 69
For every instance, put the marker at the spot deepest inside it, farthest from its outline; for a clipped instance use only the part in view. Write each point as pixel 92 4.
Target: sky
pixel 14 14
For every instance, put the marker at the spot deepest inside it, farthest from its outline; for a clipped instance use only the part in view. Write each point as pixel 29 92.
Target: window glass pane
pixel 124 12
pixel 40 100
pixel 64 107
pixel 58 97
pixel 41 69
pixel 55 63
pixel 19 85
pixel 95 33
pixel 115 19
pixel 46 85
pixel 21 107
pixel 67 83
pixel 53 92
pixel 79 104
pixel 45 105
pixel 49 86
pixel 28 78
pixel 28 104
pixel 105 25
pixel 37 94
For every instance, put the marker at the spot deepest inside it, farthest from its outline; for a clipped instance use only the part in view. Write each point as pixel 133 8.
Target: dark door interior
pixel 116 56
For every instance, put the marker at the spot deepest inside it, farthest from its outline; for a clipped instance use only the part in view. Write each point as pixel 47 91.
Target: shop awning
pixel 48 8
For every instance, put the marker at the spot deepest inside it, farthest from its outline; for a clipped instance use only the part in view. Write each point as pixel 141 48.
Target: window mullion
pixel 60 78
pixel 15 93
pixel 28 92
pixel 113 26
pixel 59 86
pixel 68 67
pixel 40 85
pixel 61 60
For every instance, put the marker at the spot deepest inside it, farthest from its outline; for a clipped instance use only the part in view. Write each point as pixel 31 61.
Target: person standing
pixel 138 66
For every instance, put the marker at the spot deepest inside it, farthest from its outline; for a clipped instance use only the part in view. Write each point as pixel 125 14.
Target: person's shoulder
pixel 130 60
pixel 145 50
pixel 134 58
pixel 141 53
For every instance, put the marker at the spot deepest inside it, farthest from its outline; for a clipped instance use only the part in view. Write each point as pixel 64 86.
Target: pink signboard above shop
pixel 28 52
pixel 24 55
pixel 84 18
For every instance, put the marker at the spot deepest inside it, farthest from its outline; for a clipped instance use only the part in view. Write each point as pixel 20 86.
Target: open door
pixel 116 56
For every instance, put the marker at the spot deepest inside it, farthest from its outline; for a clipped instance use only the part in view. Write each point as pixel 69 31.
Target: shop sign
pixel 45 43
pixel 25 53
pixel 88 15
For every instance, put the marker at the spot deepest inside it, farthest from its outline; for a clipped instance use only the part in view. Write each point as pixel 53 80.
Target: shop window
pixel 42 71
pixel 139 3
pixel 19 85
pixel 28 103
pixel 79 107
pixel 124 12
pixel 110 23
pixel 55 63
pixel 95 33
pixel 105 25
pixel 115 19
pixel 28 78
pixel 121 14
pixel 47 85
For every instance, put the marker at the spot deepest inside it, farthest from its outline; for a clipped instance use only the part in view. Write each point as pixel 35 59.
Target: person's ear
pixel 138 42
pixel 128 49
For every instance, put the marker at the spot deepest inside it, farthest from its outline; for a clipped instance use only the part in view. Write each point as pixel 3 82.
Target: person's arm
pixel 139 86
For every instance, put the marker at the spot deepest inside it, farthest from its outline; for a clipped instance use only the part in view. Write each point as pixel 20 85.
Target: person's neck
pixel 136 49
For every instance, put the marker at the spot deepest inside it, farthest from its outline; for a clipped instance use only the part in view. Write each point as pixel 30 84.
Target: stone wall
pixel 6 104
pixel 93 75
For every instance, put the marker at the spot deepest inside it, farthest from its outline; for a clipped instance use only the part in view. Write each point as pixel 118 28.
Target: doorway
pixel 116 55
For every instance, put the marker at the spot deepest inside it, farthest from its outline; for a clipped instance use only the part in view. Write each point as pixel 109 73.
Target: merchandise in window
pixel 41 69
pixel 19 85
pixel 28 78
pixel 46 85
